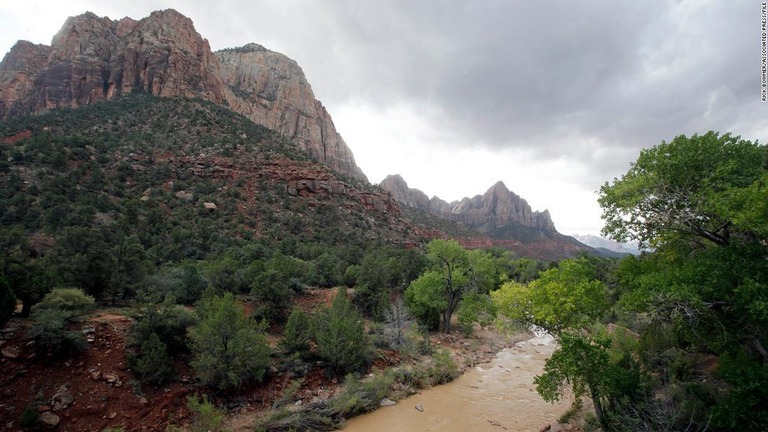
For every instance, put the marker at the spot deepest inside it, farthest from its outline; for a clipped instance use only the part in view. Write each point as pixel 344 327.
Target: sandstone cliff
pixel 95 58
pixel 494 209
pixel 500 217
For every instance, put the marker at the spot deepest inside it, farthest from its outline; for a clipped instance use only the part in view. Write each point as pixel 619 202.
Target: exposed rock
pixel 92 59
pixel 210 206
pixel 387 402
pixel 184 195
pixel 11 352
pixel 271 89
pixel 49 419
pixel 96 375
pixel 62 399
pixel 503 216
pixel 419 408
pixel 545 428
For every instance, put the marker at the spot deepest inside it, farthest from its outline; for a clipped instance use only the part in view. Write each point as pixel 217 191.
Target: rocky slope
pixel 505 219
pixel 93 59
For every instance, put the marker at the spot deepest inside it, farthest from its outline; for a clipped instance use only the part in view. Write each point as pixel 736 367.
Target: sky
pixel 554 98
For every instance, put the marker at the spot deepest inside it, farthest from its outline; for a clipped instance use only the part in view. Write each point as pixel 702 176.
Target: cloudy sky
pixel 551 97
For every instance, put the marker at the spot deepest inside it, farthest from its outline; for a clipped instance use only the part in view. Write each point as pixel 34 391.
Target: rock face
pixel 502 218
pixel 271 89
pixel 92 59
pixel 496 208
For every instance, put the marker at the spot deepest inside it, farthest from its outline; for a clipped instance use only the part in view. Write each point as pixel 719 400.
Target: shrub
pixel 443 369
pixel 71 300
pixel 229 348
pixel 49 331
pixel 297 333
pixel 152 363
pixel 169 322
pixel 340 336
pixel 208 417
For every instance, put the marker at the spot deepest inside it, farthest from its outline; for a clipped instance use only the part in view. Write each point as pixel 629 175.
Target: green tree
pixel 454 271
pixel 565 297
pixel 694 188
pixel 229 348
pixel 340 336
pixel 153 363
pixel 699 203
pixel 297 334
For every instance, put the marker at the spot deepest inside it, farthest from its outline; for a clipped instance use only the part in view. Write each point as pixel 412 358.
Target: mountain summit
pixel 93 58
pixel 500 214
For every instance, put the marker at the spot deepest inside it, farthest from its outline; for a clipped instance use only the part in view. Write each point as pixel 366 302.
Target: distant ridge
pixel 500 214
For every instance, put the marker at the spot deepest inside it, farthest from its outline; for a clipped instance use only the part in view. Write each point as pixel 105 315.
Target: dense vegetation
pixel 106 204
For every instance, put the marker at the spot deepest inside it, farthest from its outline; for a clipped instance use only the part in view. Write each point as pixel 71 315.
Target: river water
pixel 491 397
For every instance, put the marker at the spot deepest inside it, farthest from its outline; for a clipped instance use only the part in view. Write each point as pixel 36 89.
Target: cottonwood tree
pixel 453 272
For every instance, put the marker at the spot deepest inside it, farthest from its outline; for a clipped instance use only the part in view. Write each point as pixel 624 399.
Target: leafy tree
pixel 229 348
pixel 584 363
pixel 694 188
pixel 699 203
pixel 340 335
pixel 565 297
pixel 454 271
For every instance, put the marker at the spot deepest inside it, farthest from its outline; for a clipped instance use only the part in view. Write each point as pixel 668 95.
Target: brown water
pixel 491 397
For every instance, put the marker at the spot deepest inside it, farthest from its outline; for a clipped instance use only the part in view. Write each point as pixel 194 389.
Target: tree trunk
pixel 599 409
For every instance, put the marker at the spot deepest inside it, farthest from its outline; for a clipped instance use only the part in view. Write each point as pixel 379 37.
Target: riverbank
pixel 491 396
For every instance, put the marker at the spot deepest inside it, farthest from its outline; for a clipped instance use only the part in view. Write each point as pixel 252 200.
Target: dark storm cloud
pixel 564 78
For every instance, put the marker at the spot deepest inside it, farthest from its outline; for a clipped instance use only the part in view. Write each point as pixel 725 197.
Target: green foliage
pixel 692 187
pixel 442 368
pixel 297 334
pixel 153 363
pixel 454 271
pixel 7 300
pixel 207 416
pixel 744 407
pixel 475 308
pixel 565 297
pixel 49 330
pixel 585 364
pixel 229 348
pixel 168 321
pixel 340 336
pixel 71 300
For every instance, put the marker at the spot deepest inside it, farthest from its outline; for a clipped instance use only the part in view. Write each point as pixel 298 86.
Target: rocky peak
pixel 400 191
pixel 496 208
pixel 95 58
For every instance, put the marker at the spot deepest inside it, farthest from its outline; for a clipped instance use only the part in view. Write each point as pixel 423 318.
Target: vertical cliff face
pixel 488 213
pixel 95 58
pixel 272 90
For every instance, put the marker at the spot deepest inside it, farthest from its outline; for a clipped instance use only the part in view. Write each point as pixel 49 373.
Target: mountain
pixel 604 243
pixel 92 59
pixel 503 218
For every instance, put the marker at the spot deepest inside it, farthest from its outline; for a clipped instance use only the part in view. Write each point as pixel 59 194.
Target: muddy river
pixel 491 397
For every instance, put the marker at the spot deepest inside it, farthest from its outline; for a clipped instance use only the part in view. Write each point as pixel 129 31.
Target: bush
pixel 340 336
pixel 442 369
pixel 152 363
pixel 49 331
pixel 71 300
pixel 169 322
pixel 229 348
pixel 297 333
pixel 208 417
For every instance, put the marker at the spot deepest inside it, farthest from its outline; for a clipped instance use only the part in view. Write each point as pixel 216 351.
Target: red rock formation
pixel 92 59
